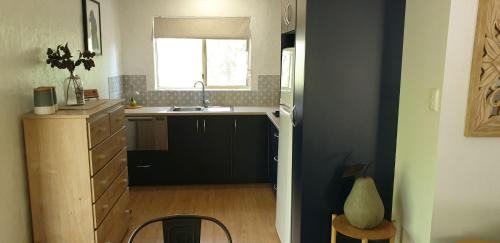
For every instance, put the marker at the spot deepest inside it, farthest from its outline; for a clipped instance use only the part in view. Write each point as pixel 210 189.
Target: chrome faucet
pixel 204 100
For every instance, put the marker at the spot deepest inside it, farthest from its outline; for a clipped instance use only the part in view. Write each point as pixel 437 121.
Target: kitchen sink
pixel 187 108
pixel 202 109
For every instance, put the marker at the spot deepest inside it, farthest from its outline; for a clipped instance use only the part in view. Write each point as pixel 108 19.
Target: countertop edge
pixel 166 111
pixel 274 120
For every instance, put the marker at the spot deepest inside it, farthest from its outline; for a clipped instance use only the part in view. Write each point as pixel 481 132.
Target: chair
pixel 181 228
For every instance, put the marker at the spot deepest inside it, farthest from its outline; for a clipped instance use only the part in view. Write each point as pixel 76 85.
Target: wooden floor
pixel 248 211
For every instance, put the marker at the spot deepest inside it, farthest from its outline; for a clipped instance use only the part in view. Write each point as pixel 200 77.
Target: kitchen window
pixel 212 50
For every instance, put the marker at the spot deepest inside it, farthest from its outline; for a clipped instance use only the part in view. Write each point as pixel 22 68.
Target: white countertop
pixel 237 110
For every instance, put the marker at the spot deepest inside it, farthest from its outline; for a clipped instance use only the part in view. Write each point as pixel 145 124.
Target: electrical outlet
pixel 435 100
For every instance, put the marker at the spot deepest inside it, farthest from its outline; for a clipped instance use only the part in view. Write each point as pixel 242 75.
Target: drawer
pixel 115 225
pixel 103 179
pixel 110 196
pixel 105 151
pixel 152 168
pixel 117 118
pixel 98 129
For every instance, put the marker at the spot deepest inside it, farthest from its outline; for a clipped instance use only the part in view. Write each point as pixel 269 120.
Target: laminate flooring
pixel 248 211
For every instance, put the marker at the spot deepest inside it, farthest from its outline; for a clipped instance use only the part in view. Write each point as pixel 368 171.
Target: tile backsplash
pixel 116 89
pixel 126 86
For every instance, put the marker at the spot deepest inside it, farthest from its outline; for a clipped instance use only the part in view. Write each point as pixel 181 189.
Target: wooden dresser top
pixel 65 114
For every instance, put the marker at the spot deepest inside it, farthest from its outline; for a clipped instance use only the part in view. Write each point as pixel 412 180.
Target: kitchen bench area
pixel 167 147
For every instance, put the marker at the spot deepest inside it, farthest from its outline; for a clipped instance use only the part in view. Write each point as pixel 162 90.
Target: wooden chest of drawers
pixel 78 176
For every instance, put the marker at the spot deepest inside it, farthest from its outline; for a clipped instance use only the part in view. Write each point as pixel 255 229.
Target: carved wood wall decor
pixel 483 110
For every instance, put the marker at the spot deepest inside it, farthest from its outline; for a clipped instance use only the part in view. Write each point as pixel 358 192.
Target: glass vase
pixel 73 91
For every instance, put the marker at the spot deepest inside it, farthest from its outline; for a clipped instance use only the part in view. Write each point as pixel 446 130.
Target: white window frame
pixel 204 78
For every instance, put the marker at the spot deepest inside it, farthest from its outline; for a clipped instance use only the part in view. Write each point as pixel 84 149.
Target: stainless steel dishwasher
pixel 147 133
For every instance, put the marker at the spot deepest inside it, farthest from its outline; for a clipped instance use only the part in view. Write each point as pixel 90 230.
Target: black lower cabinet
pixel 145 167
pixel 250 152
pixel 216 149
pixel 206 150
pixel 184 147
pixel 273 137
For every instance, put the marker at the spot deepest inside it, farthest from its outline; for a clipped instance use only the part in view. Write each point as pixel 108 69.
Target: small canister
pixel 43 100
pixel 54 96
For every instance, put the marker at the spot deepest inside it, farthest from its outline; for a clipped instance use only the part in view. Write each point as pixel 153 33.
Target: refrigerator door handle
pixel 292 116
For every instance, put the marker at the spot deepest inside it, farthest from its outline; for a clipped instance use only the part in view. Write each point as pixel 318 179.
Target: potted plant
pixel 61 58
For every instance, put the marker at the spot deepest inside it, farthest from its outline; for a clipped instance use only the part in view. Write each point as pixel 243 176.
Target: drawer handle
pixel 125 180
pixel 276 135
pixel 104 182
pixel 102 129
pixel 105 206
pixel 275 158
pixel 143 166
pixel 123 139
pixel 123 160
pixel 101 156
pixel 128 211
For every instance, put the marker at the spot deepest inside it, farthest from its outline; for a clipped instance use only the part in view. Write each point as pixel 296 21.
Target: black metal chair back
pixel 181 228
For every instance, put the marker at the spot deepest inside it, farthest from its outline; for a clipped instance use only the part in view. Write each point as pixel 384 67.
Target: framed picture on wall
pixel 483 109
pixel 92 26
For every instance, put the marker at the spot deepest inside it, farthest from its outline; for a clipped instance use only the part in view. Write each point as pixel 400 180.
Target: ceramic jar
pixel 43 101
pixel 364 208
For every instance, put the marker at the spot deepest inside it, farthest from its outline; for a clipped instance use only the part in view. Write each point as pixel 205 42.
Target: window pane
pixel 179 62
pixel 227 62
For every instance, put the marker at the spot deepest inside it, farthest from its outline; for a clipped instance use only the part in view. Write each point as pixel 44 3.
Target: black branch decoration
pixel 61 58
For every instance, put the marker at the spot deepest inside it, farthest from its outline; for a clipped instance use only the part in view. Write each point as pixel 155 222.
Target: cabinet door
pixel 184 139
pixel 273 153
pixel 216 149
pixel 250 163
pixel 150 168
pixel 140 168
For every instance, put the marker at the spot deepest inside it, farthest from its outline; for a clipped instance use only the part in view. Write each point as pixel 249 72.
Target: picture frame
pixel 483 108
pixel 92 34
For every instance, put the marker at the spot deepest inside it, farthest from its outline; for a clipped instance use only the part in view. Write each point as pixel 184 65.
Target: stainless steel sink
pixel 187 108
pixel 202 109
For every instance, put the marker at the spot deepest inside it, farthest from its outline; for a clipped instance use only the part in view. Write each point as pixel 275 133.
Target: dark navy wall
pixel 347 96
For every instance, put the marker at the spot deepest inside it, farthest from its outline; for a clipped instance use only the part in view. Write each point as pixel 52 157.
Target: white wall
pixel 446 185
pixel 467 194
pixel 137 29
pixel 27 29
pixel 424 49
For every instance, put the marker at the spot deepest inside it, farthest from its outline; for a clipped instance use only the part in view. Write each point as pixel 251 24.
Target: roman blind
pixel 202 28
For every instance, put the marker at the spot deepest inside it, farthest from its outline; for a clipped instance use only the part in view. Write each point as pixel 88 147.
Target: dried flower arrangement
pixel 61 58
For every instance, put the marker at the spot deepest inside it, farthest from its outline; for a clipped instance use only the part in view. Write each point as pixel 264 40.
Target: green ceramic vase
pixel 364 208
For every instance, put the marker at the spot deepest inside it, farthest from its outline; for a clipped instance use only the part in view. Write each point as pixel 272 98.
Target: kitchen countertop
pixel 237 110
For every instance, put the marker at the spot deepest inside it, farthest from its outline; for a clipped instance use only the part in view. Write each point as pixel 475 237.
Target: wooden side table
pixel 385 231
pixel 477 241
